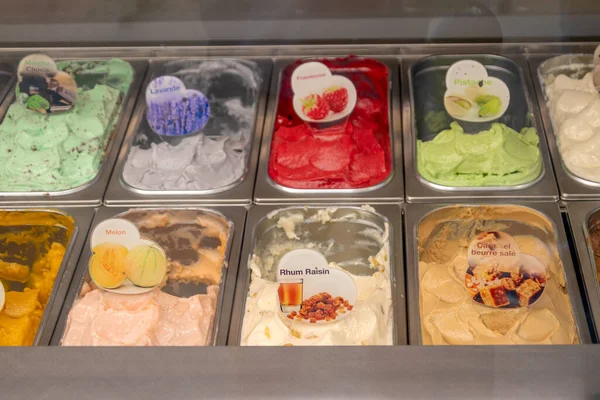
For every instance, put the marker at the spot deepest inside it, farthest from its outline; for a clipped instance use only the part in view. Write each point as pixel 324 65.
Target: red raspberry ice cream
pixel 357 157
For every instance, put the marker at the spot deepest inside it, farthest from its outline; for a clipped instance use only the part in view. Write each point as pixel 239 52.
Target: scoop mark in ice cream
pixel 499 156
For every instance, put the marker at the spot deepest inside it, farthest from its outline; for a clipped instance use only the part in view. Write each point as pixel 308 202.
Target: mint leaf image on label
pixel 42 87
pixel 312 292
pixel 473 96
pixel 37 102
pixel 173 110
pixel 122 262
pixel 499 275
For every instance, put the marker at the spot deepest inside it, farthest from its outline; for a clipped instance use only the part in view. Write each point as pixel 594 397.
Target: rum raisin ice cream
pixel 350 241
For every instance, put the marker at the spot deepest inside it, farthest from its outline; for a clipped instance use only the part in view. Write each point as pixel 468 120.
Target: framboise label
pixel 321 97
pixel 311 292
pixel 473 96
pixel 122 262
pixel 42 87
pixel 499 275
pixel 173 110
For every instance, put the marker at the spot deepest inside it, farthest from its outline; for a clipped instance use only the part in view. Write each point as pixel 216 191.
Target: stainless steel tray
pixel 236 216
pixel 92 192
pixel 571 186
pixel 82 218
pixel 258 224
pixel 7 77
pixel 511 67
pixel 416 213
pixel 390 190
pixel 580 214
pixel 120 192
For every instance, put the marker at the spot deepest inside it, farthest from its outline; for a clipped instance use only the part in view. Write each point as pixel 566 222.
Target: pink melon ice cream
pixel 154 318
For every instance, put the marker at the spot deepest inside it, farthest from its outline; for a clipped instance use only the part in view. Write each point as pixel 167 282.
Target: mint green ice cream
pixel 499 156
pixel 55 152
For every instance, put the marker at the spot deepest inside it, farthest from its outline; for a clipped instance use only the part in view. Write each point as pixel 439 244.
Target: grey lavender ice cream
pixel 217 156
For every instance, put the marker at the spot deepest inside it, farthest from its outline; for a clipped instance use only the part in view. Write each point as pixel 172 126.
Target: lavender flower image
pixel 175 113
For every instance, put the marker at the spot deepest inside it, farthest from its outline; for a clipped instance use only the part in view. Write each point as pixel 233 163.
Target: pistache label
pixel 499 275
pixel 173 110
pixel 473 96
pixel 42 87
pixel 122 261
pixel 310 291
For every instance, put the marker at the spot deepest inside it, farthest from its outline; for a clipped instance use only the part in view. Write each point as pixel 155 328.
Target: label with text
pixel 122 262
pixel 499 275
pixel 312 292
pixel 321 97
pixel 173 110
pixel 473 96
pixel 42 87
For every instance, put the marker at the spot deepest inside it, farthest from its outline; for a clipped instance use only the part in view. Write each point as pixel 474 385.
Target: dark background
pixel 112 22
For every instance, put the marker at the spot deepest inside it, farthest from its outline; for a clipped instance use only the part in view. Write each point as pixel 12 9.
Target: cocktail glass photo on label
pixel 290 295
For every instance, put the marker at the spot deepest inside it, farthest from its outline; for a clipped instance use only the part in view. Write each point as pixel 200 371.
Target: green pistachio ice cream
pixel 497 157
pixel 54 152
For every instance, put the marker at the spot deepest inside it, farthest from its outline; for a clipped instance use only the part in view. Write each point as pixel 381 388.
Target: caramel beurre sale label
pixel 499 275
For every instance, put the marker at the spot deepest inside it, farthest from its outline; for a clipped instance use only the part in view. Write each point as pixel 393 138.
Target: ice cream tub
pixel 568 100
pixel 66 158
pixel 491 274
pixel 332 132
pixel 39 249
pixel 471 130
pixel 320 275
pixel 205 162
pixel 584 221
pixel 191 305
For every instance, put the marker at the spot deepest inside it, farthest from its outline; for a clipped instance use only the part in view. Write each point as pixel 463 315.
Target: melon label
pixel 122 261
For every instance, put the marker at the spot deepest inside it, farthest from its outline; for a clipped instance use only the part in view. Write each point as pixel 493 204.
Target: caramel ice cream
pixel 449 313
